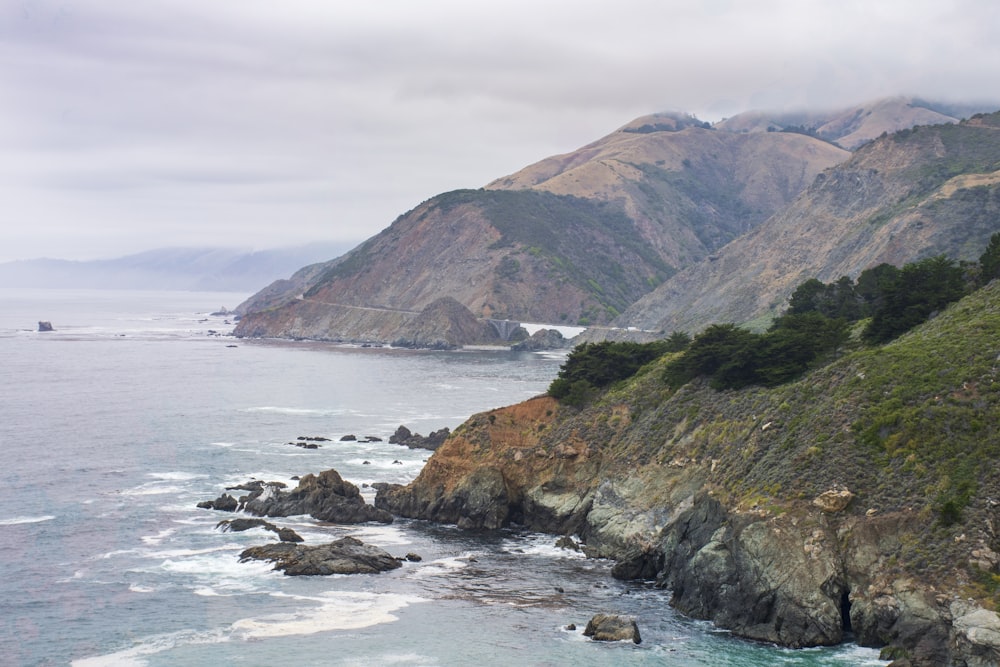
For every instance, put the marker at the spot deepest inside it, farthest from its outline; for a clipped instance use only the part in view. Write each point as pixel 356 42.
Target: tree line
pixel 814 327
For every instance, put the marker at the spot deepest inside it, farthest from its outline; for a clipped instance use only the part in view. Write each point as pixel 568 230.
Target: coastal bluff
pixel 805 515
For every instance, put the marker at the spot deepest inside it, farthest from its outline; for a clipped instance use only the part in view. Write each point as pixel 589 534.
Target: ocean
pixel 138 406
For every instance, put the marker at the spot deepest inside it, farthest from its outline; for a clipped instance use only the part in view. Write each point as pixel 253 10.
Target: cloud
pixel 132 125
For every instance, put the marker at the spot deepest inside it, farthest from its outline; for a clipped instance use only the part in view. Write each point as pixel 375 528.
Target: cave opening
pixel 845 611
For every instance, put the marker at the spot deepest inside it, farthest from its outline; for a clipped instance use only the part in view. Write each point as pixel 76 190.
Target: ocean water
pixel 115 425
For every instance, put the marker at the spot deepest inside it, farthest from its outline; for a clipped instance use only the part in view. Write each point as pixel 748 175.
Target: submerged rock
pixel 612 628
pixel 239 525
pixel 347 555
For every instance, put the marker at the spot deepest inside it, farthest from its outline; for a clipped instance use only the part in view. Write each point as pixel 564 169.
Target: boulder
pixel 224 503
pixel 834 500
pixel 326 497
pixel 347 555
pixel 612 628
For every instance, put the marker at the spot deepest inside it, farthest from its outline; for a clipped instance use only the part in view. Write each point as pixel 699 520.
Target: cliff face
pixel 790 515
pixel 904 197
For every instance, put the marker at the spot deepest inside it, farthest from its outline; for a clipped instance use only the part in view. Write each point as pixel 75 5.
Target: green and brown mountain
pixel 571 240
pixel 577 239
pixel 913 194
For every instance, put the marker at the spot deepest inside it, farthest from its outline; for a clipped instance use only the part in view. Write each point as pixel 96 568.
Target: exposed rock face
pixel 800 577
pixel 612 628
pixel 326 497
pixel 347 555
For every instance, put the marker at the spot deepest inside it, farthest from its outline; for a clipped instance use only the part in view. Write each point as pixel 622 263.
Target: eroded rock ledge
pixel 802 575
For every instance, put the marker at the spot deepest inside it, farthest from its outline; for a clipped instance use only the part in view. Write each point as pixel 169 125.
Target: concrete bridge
pixel 504 328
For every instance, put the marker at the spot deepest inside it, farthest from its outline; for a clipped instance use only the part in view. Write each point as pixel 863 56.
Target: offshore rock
pixel 344 556
pixel 45 326
pixel 403 436
pixel 612 628
pixel 325 497
pixel 224 503
pixel 239 525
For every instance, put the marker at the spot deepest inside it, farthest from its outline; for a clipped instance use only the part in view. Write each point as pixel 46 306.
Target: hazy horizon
pixel 129 127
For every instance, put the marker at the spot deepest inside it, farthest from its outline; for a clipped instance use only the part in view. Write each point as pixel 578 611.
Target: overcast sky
pixel 127 125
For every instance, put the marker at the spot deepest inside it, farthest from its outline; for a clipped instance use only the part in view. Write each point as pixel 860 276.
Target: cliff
pixel 853 500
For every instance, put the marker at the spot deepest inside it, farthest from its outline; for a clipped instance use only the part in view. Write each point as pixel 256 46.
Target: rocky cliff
pixel 852 501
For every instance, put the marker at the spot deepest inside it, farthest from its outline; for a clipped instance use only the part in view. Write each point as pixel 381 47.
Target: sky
pixel 129 125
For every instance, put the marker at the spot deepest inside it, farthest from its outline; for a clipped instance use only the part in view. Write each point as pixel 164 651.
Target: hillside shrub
pixel 592 366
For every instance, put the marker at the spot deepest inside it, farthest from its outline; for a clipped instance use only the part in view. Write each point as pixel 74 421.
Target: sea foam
pixel 336 611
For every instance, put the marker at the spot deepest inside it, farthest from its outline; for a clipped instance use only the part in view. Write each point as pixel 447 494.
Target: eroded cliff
pixel 795 515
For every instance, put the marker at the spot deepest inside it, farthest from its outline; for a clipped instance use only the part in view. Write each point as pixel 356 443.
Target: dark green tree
pixel 919 290
pixel 989 262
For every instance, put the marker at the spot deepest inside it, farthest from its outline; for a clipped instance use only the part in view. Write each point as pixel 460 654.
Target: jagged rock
pixel 568 543
pixel 347 555
pixel 45 326
pixel 612 628
pixel 224 503
pixel 834 500
pixel 326 497
pixel 403 436
pixel 239 525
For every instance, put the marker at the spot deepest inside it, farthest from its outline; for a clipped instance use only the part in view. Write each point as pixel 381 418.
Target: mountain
pixel 574 239
pixel 667 223
pixel 859 500
pixel 854 126
pixel 197 269
pixel 919 192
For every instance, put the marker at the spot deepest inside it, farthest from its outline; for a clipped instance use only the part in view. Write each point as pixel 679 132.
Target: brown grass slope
pixel 917 193
pixel 689 189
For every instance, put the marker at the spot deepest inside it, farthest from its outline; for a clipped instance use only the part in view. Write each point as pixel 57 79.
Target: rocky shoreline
pixel 811 574
pixel 814 572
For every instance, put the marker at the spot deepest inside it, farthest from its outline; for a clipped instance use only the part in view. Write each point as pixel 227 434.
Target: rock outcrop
pixel 543 339
pixel 612 628
pixel 239 525
pixel 347 555
pixel 403 436
pixel 783 514
pixel 325 497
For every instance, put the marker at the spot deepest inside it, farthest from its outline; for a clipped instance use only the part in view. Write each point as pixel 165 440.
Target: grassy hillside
pixel 911 426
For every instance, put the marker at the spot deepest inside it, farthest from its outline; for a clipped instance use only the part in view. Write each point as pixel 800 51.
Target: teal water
pixel 116 424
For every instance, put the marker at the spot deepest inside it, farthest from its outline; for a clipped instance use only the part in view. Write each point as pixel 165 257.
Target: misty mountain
pixel 193 269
